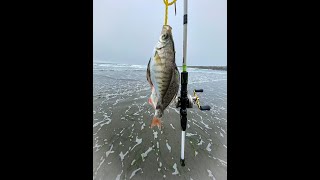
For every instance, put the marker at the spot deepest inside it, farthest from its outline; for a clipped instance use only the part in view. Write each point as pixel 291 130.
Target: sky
pixel 126 31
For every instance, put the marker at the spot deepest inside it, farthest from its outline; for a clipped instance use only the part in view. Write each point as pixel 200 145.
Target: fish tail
pixel 156 122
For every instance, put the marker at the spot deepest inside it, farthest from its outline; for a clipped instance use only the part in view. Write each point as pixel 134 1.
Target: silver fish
pixel 163 75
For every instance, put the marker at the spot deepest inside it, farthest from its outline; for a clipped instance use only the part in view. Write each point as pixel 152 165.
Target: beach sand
pixel 124 147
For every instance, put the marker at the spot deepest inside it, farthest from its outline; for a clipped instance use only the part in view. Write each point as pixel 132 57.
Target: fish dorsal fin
pixel 148 73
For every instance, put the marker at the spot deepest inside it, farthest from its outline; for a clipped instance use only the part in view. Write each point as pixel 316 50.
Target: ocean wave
pixel 138 67
pixel 118 66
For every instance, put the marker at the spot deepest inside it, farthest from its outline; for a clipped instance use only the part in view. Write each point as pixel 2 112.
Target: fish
pixel 162 75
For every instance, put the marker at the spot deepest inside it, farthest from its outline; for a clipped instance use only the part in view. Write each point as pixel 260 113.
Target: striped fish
pixel 163 75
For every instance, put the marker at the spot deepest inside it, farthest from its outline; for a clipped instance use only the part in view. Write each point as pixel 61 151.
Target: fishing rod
pixel 186 101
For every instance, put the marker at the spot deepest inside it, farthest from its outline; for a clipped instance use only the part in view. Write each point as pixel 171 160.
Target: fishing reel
pixel 193 100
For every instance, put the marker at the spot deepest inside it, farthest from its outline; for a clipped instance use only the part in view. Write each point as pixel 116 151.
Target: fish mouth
pixel 166 29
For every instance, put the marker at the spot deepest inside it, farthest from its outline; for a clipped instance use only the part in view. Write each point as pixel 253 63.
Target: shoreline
pixel 222 68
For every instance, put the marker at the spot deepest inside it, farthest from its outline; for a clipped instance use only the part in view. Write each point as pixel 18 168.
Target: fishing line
pixel 167 4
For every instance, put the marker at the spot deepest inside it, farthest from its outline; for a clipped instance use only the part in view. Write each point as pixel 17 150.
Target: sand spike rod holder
pixel 184 82
pixel 186 101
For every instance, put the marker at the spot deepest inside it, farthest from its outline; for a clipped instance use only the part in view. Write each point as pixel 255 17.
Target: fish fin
pixel 156 122
pixel 148 74
pixel 150 101
pixel 154 104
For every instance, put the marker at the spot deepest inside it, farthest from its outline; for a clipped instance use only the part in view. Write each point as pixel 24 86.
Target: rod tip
pixel 182 162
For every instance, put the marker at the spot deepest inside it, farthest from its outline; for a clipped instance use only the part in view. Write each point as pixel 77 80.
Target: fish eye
pixel 164 36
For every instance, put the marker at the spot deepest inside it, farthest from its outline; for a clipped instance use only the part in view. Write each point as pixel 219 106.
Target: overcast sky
pixel 126 31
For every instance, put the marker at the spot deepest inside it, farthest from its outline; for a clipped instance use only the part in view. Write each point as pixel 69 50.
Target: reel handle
pixel 205 108
pixel 198 90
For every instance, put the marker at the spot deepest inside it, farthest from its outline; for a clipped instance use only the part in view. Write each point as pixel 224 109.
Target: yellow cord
pixel 166 15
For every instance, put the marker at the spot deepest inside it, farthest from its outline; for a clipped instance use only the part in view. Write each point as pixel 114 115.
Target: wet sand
pixel 124 147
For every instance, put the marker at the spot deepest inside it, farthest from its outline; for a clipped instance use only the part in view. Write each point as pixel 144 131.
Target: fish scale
pixel 162 85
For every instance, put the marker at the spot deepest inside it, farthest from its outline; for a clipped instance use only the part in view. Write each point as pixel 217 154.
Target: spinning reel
pixel 193 100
